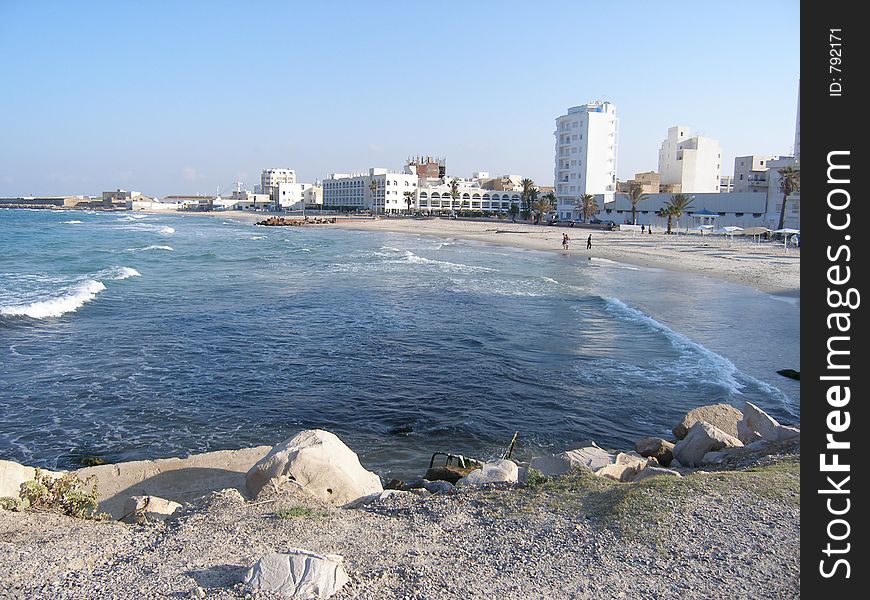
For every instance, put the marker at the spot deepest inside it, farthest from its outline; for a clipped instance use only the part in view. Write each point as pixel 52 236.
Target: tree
pixel 588 206
pixel 454 191
pixel 525 196
pixel 541 205
pixel 789 183
pixel 409 199
pixel 635 195
pixel 675 207
pixel 373 186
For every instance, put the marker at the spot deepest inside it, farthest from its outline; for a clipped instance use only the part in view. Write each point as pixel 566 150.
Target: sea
pixel 127 336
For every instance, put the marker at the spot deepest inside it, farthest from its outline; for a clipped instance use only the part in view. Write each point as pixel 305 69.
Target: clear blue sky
pixel 182 97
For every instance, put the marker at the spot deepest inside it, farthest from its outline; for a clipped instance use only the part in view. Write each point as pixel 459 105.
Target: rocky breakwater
pixel 318 474
pixel 285 222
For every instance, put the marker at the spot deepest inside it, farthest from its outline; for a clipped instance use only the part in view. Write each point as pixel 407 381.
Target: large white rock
pixel 756 425
pixel 652 471
pixel 148 508
pixel 12 475
pixel 590 457
pixel 626 466
pixel 298 574
pixel 317 462
pixel 701 439
pixel 499 471
pixel 722 416
pixel 177 479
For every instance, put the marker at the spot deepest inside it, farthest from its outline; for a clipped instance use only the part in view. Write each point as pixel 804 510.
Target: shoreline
pixel 766 267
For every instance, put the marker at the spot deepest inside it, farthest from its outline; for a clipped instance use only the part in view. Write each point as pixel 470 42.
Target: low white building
pixel 744 209
pixel 436 198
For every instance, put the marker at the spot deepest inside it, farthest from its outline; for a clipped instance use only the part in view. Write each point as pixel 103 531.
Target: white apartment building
pixel 586 153
pixel 354 191
pixel 726 184
pixel 750 173
pixel 271 179
pixel 692 162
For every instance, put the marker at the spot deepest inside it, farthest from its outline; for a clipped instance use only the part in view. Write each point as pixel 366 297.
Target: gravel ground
pixel 714 534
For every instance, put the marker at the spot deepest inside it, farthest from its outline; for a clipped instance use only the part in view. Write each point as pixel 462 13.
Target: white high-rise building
pixel 586 151
pixel 692 163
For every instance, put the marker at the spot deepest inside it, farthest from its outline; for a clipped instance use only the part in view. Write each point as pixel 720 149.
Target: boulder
pixel 722 416
pixel 626 466
pixel 652 471
pixel 317 462
pixel 499 471
pixel 177 479
pixel 148 508
pixel 298 574
pixel 661 450
pixel 701 439
pixel 717 457
pixel 758 425
pixel 12 475
pixel 589 457
pixel 377 497
pixel 439 487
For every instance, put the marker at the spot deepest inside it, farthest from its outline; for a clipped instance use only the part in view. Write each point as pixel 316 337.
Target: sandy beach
pixel 765 266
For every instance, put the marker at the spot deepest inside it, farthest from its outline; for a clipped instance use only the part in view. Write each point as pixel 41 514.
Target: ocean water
pixel 131 336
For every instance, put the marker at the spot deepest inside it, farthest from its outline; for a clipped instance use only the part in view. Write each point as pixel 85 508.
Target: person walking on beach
pixel 565 240
pixel 642 229
pixel 589 242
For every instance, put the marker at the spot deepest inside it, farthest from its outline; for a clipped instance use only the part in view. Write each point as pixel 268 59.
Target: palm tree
pixel 409 199
pixel 789 183
pixel 525 196
pixel 635 195
pixel 588 206
pixel 675 208
pixel 541 206
pixel 454 191
pixel 373 186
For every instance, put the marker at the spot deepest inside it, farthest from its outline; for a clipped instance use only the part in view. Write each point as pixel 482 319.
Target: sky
pixel 187 97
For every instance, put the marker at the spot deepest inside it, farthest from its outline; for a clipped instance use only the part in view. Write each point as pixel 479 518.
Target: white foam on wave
pixel 697 360
pixel 154 247
pixel 70 301
pixel 120 273
pixel 72 222
pixel 613 263
pixel 420 260
pixel 166 229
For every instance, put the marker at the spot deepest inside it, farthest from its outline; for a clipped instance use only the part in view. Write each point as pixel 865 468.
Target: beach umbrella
pixel 730 231
pixel 786 231
pixel 756 231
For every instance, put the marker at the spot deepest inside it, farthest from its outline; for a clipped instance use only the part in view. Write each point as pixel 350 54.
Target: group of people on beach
pixel 566 239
